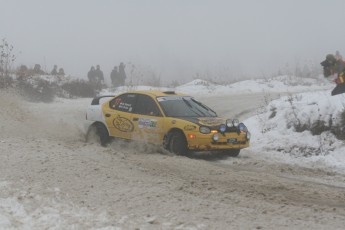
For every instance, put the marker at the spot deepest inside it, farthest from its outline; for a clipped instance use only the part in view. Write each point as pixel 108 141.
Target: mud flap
pixel 339 89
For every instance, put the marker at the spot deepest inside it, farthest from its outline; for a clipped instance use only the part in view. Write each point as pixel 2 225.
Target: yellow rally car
pixel 177 121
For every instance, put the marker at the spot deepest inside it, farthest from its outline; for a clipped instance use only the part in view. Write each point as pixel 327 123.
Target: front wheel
pixel 178 144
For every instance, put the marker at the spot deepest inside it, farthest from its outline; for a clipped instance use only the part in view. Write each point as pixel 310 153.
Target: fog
pixel 174 39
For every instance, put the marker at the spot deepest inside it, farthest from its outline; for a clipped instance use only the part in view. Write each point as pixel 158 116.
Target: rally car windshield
pixel 178 106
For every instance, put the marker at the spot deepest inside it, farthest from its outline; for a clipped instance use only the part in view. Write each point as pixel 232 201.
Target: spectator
pixel 61 72
pixel 122 74
pixel 91 75
pixel 54 71
pixel 22 72
pixel 338 56
pixel 114 76
pixel 99 75
pixel 37 69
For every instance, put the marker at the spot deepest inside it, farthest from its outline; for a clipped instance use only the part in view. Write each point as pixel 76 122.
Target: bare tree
pixel 6 58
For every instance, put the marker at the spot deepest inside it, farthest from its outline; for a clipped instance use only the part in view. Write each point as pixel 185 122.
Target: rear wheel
pixel 100 133
pixel 178 143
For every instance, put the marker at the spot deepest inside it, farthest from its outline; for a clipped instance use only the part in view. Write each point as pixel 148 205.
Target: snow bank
pixel 275 137
pixel 274 85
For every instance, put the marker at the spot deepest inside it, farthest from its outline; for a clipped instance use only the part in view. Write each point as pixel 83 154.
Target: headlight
pixel 229 123
pixel 215 137
pixel 236 122
pixel 204 130
pixel 222 128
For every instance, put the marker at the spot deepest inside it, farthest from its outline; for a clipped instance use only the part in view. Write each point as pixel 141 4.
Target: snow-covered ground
pixel 51 179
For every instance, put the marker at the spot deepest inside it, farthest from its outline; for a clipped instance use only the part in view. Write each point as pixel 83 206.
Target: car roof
pixel 156 93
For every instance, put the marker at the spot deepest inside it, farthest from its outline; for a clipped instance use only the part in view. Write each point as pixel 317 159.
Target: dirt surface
pixel 64 183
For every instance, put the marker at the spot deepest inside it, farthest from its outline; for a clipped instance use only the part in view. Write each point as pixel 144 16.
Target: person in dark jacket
pixel 61 72
pixel 37 70
pixel 91 75
pixel 54 71
pixel 99 74
pixel 122 74
pixel 114 76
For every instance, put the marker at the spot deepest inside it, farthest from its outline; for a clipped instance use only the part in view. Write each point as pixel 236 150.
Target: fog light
pixel 215 137
pixel 249 135
pixel 222 128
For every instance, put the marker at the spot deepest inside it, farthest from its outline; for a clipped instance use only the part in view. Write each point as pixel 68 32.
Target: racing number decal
pixel 123 124
pixel 117 101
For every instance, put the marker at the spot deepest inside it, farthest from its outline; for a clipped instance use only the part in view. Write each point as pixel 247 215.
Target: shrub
pixel 319 127
pixel 79 88
pixel 37 91
pixel 6 82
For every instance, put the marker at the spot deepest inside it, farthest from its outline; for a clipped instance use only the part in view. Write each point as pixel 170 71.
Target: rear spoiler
pixel 95 101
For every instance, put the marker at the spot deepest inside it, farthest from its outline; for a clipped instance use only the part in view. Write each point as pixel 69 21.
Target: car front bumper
pixel 204 142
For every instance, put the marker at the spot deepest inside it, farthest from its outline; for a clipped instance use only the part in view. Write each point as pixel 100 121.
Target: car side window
pixel 147 106
pixel 124 102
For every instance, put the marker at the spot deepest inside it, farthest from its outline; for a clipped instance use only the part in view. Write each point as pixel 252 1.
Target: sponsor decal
pixel 211 121
pixel 123 124
pixel 190 127
pixel 125 106
pixel 147 123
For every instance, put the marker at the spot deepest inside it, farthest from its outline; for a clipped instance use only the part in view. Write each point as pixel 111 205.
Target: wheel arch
pixel 101 130
pixel 168 135
pixel 97 124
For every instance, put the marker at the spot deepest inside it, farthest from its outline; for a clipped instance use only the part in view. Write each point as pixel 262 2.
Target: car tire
pixel 101 132
pixel 233 152
pixel 178 143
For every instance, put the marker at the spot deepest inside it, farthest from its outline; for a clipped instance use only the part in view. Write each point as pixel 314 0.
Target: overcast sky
pixel 175 38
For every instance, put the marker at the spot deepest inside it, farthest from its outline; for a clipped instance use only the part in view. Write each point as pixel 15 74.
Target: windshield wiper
pixel 192 108
pixel 204 106
pixel 187 102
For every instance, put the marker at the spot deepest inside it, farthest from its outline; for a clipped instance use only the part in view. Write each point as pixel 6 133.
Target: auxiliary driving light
pixel 242 127
pixel 236 122
pixel 229 123
pixel 222 128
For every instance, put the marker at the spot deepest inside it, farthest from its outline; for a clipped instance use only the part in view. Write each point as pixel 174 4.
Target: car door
pixel 147 120
pixel 118 113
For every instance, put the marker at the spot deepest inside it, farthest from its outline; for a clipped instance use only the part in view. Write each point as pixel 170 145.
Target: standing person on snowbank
pixel 91 75
pixel 122 74
pixel 54 71
pixel 99 75
pixel 114 77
